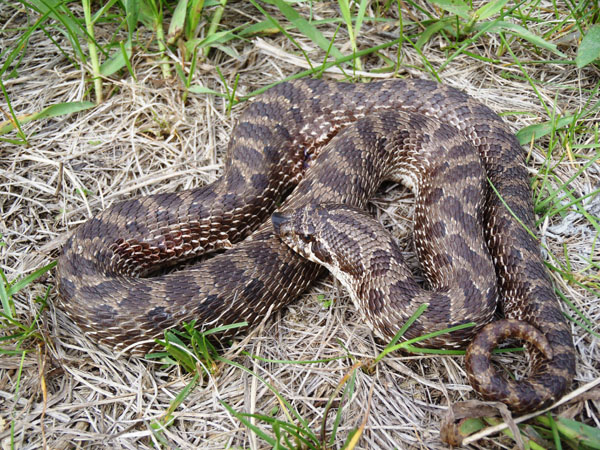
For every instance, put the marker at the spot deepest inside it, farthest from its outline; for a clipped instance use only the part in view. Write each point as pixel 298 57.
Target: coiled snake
pixel 334 143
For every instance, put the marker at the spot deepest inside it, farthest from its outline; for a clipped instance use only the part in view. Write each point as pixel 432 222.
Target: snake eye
pixel 305 237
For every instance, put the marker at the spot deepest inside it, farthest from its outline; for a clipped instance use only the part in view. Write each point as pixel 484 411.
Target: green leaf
pixel 521 32
pixel 4 297
pixel 432 29
pixel 583 434
pixel 60 13
pixel 181 397
pixel 538 130
pixel 57 10
pixel 177 22
pixel 116 62
pixel 489 9
pixel 20 284
pixel 360 17
pixel 193 17
pixel 146 12
pixel 265 27
pixel 51 111
pixel 306 28
pixel 589 49
pixel 132 11
pixel 457 7
pixel 228 50
pixel 217 38
pixel 471 425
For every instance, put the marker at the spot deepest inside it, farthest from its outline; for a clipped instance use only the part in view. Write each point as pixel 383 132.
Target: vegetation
pixel 100 101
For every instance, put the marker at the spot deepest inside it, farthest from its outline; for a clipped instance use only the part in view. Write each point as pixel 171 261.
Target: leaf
pixel 132 11
pixel 306 28
pixel 60 13
pixel 432 29
pixel 521 32
pixel 453 429
pixel 220 37
pixel 489 9
pixel 177 22
pixel 457 7
pixel 51 111
pixel 57 10
pixel 538 130
pixel 194 15
pixel 116 62
pixel 228 51
pixel 265 27
pixel 589 49
pixel 16 286
pixel 579 432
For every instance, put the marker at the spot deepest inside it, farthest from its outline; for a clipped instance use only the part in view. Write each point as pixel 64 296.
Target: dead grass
pixel 143 139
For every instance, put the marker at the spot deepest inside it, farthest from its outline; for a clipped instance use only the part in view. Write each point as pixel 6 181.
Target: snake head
pixel 299 230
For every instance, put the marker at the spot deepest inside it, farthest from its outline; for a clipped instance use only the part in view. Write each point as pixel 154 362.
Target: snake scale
pixel 334 143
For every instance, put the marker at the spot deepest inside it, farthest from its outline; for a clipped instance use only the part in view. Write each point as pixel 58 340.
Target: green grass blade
pixel 521 32
pixel 489 9
pixel 458 7
pixel 50 111
pixel 305 27
pixel 537 130
pixel 323 67
pixel 177 24
pixel 17 286
pixel 589 49
pixel 4 298
pixel 281 399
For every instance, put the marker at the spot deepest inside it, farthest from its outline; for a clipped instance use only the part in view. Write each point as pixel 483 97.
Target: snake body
pixel 326 143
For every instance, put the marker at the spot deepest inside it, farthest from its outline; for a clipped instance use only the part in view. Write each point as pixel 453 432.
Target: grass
pixel 103 102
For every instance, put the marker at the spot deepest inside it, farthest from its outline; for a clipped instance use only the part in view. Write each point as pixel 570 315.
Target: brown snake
pixel 330 143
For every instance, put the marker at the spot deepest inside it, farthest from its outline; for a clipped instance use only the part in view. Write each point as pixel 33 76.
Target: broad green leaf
pixel 177 22
pixel 116 62
pixel 589 49
pixel 457 7
pixel 522 32
pixel 432 29
pixel 51 111
pixel 471 425
pixel 585 435
pixel 489 9
pixel 538 130
pixel 132 9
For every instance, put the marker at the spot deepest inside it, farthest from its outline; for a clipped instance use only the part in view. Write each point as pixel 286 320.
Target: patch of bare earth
pixel 144 139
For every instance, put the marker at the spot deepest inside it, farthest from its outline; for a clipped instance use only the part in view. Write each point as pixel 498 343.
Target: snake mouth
pixel 279 222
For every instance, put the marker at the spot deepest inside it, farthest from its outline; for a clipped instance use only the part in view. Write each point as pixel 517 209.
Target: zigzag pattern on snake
pixel 330 143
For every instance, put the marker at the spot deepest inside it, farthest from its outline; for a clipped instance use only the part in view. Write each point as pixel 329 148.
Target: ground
pixel 157 130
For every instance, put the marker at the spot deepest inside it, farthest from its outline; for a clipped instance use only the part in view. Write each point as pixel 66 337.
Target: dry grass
pixel 143 139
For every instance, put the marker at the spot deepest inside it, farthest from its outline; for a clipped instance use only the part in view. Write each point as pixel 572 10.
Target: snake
pixel 211 256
